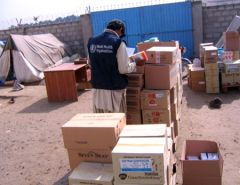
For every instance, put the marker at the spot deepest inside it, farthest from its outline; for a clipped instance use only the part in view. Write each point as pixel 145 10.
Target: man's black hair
pixel 116 24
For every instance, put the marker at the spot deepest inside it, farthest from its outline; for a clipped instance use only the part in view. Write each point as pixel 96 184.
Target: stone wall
pixel 216 20
pixel 70 33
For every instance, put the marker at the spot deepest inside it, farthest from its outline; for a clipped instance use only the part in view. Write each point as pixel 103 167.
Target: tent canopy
pixel 30 55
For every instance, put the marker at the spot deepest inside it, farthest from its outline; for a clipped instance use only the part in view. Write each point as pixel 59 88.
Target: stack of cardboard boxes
pixel 155 90
pixel 102 149
pixel 91 137
pixel 231 73
pixel 162 95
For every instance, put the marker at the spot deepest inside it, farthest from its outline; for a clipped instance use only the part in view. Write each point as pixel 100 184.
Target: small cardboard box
pixel 155 99
pixel 92 174
pixel 156 116
pixel 231 41
pixel 161 77
pixel 197 74
pixel 227 79
pixel 88 155
pixel 162 55
pixel 149 130
pixel 84 130
pixel 134 116
pixel 199 86
pixel 135 80
pixel 207 172
pixel 142 160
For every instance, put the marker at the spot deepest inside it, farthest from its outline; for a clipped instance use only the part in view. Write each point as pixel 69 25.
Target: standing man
pixel 109 63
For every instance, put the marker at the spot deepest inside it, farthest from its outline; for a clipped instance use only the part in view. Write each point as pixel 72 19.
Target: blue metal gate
pixel 166 21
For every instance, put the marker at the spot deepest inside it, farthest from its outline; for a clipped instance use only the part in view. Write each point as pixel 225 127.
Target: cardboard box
pixel 229 56
pixel 231 41
pixel 156 116
pixel 162 55
pixel 139 69
pixel 135 80
pixel 161 77
pixel 233 67
pixel 201 51
pixel 199 86
pixel 155 99
pixel 197 74
pixel 207 172
pixel 77 156
pixel 92 174
pixel 236 78
pixel 133 103
pixel 134 116
pixel 227 79
pixel 84 130
pixel 133 92
pixel 210 54
pixel 140 160
pixel 149 130
pixel 144 46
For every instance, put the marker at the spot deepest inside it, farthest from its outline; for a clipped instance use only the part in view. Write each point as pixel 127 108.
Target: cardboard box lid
pixel 150 130
pixel 92 173
pixel 169 49
pixel 210 48
pixel 140 145
pixel 84 130
pixel 201 167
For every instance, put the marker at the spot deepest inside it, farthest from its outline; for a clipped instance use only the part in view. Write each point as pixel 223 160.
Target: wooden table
pixel 61 81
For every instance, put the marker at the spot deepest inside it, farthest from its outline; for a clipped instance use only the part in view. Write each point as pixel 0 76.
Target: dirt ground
pixel 31 145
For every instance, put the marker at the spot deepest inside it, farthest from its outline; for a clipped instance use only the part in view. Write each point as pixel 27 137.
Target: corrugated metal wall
pixel 166 21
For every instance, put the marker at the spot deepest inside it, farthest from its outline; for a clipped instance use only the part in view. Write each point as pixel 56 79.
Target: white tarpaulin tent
pixel 30 55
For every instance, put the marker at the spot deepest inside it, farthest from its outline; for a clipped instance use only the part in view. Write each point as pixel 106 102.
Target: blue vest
pixel 102 51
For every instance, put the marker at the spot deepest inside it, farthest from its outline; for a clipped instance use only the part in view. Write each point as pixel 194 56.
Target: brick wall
pixel 70 33
pixel 216 19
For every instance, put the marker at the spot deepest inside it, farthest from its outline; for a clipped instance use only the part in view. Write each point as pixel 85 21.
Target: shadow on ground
pixel 197 100
pixel 63 180
pixel 43 106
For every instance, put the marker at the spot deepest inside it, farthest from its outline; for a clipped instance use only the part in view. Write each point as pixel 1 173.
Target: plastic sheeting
pixel 26 72
pixel 4 65
pixel 31 55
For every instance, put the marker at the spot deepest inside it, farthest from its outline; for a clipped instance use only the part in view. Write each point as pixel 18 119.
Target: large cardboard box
pixel 142 160
pixel 161 77
pixel 155 99
pixel 149 130
pixel 135 80
pixel 92 174
pixel 162 55
pixel 144 46
pixel 210 54
pixel 134 116
pixel 84 130
pixel 231 41
pixel 77 156
pixel 156 116
pixel 199 172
